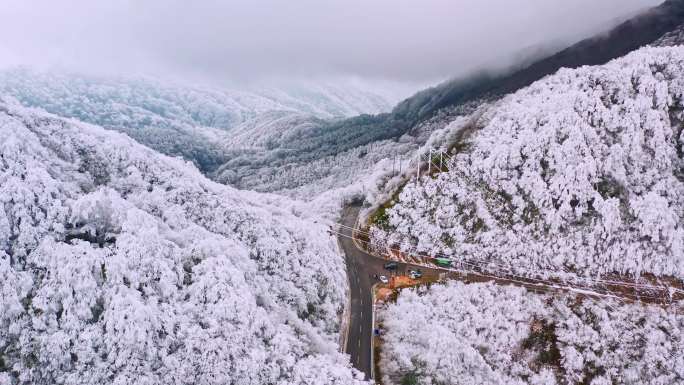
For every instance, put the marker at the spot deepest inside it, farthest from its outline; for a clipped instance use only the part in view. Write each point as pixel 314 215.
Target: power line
pixel 488 263
pixel 484 267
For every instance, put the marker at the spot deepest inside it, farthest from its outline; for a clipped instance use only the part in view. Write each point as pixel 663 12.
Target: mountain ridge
pixel 325 140
pixel 122 265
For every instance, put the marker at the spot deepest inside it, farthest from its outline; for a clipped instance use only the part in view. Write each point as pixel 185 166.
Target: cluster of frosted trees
pixel 582 171
pixel 122 266
pixel 489 334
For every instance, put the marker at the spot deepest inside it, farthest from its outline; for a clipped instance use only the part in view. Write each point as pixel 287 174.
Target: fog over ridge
pixel 241 41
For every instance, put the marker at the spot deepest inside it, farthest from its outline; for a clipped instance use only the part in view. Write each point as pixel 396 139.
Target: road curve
pixel 361 270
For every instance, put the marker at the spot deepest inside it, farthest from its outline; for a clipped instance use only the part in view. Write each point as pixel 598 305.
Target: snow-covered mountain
pixel 103 100
pixel 260 137
pixel 119 265
pixel 323 148
pixel 205 125
pixel 582 171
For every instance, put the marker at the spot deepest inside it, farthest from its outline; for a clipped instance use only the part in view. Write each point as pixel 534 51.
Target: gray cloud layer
pixel 246 40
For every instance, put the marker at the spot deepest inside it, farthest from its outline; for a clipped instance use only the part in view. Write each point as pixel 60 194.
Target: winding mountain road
pixel 361 270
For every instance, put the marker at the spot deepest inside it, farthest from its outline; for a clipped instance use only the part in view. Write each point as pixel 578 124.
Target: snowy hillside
pixel 484 334
pixel 120 265
pixel 211 123
pixel 581 171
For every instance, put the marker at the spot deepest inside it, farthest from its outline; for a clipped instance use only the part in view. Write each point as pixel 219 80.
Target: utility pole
pixel 392 165
pixel 396 168
pixel 440 160
pixel 418 170
pixel 430 162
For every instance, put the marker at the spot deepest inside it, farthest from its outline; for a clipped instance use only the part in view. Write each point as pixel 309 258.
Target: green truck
pixel 443 262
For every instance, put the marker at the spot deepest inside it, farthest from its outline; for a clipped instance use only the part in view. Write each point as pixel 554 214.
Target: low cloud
pixel 256 40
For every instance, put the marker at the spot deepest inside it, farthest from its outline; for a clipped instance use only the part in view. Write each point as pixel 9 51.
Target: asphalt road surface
pixel 361 270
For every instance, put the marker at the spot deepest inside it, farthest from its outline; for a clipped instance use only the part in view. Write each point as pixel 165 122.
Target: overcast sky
pixel 254 40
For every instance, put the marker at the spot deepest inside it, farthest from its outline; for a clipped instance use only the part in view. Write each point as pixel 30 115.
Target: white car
pixel 415 274
pixel 383 279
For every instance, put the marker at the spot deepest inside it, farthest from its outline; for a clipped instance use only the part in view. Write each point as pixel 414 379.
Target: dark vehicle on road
pixel 391 266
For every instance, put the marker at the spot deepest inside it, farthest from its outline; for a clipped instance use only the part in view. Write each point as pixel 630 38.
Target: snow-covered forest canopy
pixel 486 334
pixel 581 171
pixel 142 240
pixel 120 265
